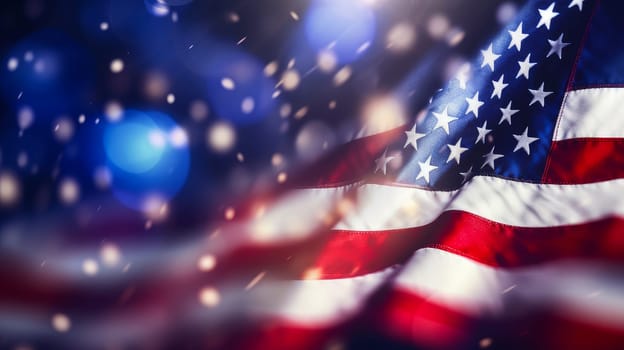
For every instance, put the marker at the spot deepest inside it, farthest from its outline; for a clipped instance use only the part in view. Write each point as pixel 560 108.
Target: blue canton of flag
pixel 497 116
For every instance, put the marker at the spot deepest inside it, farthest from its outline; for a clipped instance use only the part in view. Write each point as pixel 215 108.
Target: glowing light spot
pixel 198 110
pixel 383 113
pixel 90 267
pixel 102 177
pixel 240 157
pixel 12 64
pixel 313 139
pixel 248 104
pixel 104 26
pixel 277 160
pixel 206 263
pixel 178 137
pixel 271 68
pixel 294 15
pixel 10 189
pixel 156 85
pixel 400 37
pixel 230 213
pixel 228 83
pixel 285 110
pixel 327 61
pixel 221 137
pixel 209 297
pixel 332 104
pixel 81 119
pixel 69 191
pixel 233 17
pixel 170 99
pixel 485 343
pixel 110 254
pixel 64 129
pixel 342 75
pixel 22 159
pixel 282 177
pixel 455 36
pixel 506 12
pixel 155 207
pixel 314 273
pixel 113 111
pixel 290 79
pixel 437 26
pixel 25 117
pixel 116 66
pixel 61 323
pixel 301 112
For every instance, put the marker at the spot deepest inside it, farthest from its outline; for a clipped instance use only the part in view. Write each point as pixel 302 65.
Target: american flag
pixel 491 219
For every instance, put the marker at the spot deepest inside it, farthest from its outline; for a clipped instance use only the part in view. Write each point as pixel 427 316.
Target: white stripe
pixel 575 288
pixel 383 207
pixel 316 302
pixel 591 113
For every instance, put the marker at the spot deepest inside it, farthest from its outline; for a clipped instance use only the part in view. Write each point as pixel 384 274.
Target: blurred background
pixel 132 129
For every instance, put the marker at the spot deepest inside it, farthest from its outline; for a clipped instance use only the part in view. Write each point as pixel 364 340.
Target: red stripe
pixel 578 161
pixel 347 163
pixel 414 319
pixel 349 254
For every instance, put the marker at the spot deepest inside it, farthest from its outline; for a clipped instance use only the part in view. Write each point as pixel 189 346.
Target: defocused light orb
pixel 155 207
pixel 61 323
pixel 506 12
pixel 209 297
pixel 206 263
pixel 401 37
pixel 345 24
pixel 437 26
pixel 104 26
pixel 342 75
pixel 198 110
pixel 383 113
pixel 90 267
pixel 232 75
pixel 134 146
pixel 156 85
pixel 146 153
pixel 228 83
pixel 178 137
pixel 10 189
pixel 170 99
pixel 113 111
pixel 270 68
pixel 116 66
pixel 12 64
pixel 326 60
pixel 25 117
pixel 22 159
pixel 69 191
pixel 247 106
pixel 102 177
pixel 290 79
pixel 157 8
pixel 55 71
pixel 63 129
pixel 110 254
pixel 221 137
pixel 313 139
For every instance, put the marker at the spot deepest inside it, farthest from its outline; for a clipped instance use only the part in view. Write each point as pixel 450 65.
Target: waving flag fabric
pixel 492 219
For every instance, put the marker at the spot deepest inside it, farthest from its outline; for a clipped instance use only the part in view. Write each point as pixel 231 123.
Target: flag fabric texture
pixel 493 219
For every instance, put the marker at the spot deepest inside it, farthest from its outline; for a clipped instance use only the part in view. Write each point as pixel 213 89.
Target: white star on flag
pixel 443 119
pixel 524 140
pixel 516 37
pixel 547 15
pixel 539 95
pixel 425 169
